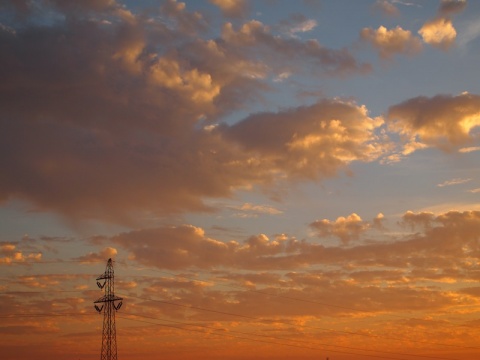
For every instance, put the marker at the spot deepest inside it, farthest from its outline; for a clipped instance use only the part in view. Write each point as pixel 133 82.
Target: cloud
pixel 469 149
pixel 415 219
pixel 386 8
pixel 311 141
pixel 406 3
pixel 184 21
pixel 9 254
pixel 296 23
pixel 252 210
pixel 378 221
pixel 48 281
pixel 391 42
pixel 256 39
pixel 132 134
pixel 456 181
pixel 439 33
pixel 282 76
pixel 442 121
pixel 292 315
pixel 452 6
pixel 346 229
pixel 442 240
pixel 7 248
pixel 232 8
pixel 101 256
pixel 71 152
pixel 174 247
pixel 187 246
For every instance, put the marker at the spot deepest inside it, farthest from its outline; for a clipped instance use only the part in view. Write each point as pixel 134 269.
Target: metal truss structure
pixel 109 304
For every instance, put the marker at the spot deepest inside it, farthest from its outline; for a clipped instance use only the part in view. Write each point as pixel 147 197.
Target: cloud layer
pixel 445 241
pixel 101 122
pixel 88 99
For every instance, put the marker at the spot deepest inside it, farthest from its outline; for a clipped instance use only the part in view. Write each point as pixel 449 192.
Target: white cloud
pixel 455 181
pixel 305 26
pixel 251 210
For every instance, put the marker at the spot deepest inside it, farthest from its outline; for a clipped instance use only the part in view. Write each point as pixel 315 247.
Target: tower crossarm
pixel 105 276
pixel 107 298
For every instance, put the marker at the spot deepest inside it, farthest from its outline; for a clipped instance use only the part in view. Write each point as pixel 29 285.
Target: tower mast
pixel 108 306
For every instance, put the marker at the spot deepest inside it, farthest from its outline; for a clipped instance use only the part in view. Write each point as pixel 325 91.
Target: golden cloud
pixel 310 142
pixel 105 253
pixel 443 121
pixel 9 254
pixel 391 42
pixel 345 228
pixel 439 33
pixel 232 8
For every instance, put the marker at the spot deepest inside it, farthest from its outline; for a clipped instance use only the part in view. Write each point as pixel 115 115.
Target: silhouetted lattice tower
pixel 109 334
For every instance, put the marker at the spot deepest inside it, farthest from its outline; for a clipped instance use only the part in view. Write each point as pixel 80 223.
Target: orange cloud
pixel 439 33
pixel 379 221
pixel 469 149
pixel 9 254
pixel 346 229
pixel 443 121
pixel 106 253
pixel 232 8
pixel 446 239
pixel 391 42
pixel 424 218
pixel 309 142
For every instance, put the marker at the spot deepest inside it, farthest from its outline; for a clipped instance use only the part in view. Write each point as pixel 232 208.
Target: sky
pixel 274 179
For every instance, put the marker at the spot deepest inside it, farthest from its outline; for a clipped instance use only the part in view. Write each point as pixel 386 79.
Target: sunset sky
pixel 276 179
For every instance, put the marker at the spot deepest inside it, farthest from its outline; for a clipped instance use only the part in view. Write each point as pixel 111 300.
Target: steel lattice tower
pixel 109 334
